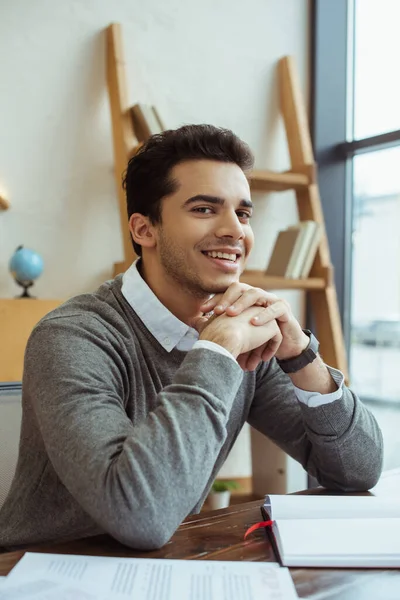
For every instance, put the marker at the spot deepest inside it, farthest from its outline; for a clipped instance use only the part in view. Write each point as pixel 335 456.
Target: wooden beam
pixel 294 113
pixel 324 303
pixel 270 181
pixel 329 330
pixel 301 153
pixel 124 139
pixel 269 282
pixel 121 267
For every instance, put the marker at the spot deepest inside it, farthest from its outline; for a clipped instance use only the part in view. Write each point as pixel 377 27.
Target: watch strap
pixel 309 354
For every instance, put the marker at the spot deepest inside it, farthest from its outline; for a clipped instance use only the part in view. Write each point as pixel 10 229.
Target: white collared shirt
pixel 171 333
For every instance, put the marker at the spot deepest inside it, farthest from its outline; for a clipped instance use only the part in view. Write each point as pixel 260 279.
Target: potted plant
pixel 220 493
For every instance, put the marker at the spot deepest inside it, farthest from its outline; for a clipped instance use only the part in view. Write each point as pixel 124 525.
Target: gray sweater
pixel 120 436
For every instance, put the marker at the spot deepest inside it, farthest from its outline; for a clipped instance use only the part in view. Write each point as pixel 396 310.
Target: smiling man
pixel 201 240
pixel 134 395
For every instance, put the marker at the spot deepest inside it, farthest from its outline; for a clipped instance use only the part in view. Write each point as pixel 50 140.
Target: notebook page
pixel 107 578
pixel 339 542
pixel 332 507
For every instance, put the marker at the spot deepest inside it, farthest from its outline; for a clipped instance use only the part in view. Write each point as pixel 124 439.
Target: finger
pixel 211 303
pixel 200 323
pixel 271 348
pixel 252 297
pixel 255 358
pixel 249 361
pixel 242 360
pixel 232 294
pixel 280 311
pixel 248 298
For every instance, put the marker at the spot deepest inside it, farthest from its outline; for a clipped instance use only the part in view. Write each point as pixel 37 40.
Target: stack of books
pixel 294 251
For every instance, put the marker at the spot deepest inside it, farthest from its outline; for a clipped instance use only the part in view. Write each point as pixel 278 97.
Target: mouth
pixel 227 261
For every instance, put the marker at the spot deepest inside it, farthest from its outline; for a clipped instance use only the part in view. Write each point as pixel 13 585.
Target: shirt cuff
pixel 314 399
pixel 214 347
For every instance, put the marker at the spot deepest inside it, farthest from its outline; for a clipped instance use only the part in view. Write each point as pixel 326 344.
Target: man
pixel 129 413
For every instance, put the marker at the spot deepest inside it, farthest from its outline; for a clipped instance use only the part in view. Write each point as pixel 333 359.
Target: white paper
pixel 332 507
pixel 42 590
pixel 340 542
pixel 109 578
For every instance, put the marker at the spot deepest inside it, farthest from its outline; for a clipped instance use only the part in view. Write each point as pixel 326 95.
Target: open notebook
pixel 335 531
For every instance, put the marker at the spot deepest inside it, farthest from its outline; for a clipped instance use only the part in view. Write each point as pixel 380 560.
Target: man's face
pixel 208 215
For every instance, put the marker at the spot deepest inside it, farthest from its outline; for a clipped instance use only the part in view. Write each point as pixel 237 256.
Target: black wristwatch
pixel 309 354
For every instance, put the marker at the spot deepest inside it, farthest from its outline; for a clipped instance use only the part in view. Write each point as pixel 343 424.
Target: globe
pixel 25 266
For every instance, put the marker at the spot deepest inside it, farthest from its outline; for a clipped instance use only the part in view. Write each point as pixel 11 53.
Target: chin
pixel 219 285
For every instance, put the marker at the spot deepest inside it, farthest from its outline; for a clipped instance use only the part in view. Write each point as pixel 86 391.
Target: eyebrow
pixel 215 200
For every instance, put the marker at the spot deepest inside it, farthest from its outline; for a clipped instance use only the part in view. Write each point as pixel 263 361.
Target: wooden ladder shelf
pixel 301 178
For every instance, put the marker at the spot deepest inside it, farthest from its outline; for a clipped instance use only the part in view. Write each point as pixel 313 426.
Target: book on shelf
pixel 294 251
pixel 146 121
pixel 307 241
pixel 311 252
pixel 282 252
pixel 334 531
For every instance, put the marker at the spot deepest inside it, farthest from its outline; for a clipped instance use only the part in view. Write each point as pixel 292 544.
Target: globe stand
pixel 26 285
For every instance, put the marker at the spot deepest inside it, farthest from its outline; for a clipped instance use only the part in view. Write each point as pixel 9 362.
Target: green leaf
pixel 224 486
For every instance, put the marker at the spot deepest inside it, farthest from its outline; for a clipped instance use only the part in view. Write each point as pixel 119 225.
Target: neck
pixel 183 305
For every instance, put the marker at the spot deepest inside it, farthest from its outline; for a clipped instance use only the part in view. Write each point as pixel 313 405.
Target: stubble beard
pixel 174 262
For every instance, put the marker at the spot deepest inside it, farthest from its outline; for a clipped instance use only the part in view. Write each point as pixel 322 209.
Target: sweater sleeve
pixel 338 443
pixel 138 482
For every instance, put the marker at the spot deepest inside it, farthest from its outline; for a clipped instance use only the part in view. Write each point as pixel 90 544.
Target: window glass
pixel 377 67
pixel 375 310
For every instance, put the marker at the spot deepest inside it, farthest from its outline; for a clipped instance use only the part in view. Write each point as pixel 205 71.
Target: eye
pixel 204 210
pixel 244 215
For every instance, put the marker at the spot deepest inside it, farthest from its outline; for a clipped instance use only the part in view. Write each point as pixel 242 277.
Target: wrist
pixel 302 360
pixel 294 350
pixel 223 341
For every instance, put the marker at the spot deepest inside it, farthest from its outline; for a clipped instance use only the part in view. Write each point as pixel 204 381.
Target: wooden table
pixel 218 535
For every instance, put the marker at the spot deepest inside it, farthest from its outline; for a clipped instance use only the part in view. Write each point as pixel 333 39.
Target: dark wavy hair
pixel 147 179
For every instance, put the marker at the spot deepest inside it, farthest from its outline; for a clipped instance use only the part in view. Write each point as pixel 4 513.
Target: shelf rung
pixel 270 181
pixel 269 282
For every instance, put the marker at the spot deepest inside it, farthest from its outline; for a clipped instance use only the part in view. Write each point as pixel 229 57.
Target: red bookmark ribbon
pixel 257 526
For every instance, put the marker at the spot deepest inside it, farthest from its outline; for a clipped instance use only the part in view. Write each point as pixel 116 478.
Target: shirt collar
pixel 168 330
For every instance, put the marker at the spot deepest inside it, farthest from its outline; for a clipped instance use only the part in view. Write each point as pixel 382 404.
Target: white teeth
pixel 225 255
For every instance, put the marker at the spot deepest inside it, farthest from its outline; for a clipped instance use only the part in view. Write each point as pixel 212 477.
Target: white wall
pixel 210 61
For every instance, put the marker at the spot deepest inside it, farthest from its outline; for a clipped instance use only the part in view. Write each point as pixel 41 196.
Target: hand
pixel 249 344
pixel 240 296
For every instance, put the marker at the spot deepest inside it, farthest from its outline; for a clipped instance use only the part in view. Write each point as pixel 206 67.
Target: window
pixel 356 134
pixel 375 296
pixel 376 67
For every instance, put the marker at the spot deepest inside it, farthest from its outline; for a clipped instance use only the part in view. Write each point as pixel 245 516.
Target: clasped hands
pixel 254 325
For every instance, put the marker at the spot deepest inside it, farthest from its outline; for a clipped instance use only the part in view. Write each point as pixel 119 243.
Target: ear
pixel 142 231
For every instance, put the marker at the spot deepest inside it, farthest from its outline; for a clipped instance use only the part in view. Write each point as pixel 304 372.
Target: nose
pixel 230 226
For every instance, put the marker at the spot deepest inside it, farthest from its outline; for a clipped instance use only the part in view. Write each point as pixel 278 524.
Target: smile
pixel 223 262
pixel 222 255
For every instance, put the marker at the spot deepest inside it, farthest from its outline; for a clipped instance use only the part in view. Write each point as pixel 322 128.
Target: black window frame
pixel 332 63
